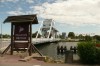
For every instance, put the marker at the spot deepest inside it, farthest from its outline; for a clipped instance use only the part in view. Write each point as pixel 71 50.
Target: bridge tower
pixel 47 29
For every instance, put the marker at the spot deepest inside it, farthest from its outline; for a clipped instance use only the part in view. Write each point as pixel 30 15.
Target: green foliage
pixel 5 36
pixel 87 52
pixel 98 55
pixel 97 37
pixel 71 35
pixel 88 38
pixel 34 35
pixel 97 42
pixel 81 37
pixel 60 36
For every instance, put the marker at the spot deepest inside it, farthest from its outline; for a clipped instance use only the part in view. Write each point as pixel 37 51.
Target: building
pixel 63 35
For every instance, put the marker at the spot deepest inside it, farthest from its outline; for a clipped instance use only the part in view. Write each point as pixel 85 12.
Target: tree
pixel 88 38
pixel 60 36
pixel 6 36
pixel 81 37
pixel 34 34
pixel 96 37
pixel 71 35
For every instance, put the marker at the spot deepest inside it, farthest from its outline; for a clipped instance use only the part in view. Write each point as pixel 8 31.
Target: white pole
pixel 54 29
pixel 39 30
pixel 50 30
pixel 41 23
pixel 1 34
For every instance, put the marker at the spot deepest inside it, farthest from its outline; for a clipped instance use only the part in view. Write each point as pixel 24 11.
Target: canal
pixel 50 49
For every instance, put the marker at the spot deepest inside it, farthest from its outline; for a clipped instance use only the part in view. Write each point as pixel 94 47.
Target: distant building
pixel 63 35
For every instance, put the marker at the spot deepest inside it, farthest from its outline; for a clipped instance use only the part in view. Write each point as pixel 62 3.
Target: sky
pixel 78 16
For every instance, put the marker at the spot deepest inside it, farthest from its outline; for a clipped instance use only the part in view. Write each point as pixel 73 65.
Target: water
pixel 50 50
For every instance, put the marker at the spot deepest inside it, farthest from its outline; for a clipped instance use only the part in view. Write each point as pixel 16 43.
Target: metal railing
pixel 5 42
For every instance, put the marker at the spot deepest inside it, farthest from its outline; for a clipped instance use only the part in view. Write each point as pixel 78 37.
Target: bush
pixel 98 55
pixel 87 52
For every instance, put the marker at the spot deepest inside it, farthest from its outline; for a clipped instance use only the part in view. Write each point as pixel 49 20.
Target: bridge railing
pixel 5 42
pixel 41 40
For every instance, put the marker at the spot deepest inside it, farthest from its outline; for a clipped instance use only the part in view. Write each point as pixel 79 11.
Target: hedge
pixel 88 52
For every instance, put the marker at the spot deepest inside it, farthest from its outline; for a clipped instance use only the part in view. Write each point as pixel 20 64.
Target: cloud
pixel 30 1
pixel 73 12
pixel 16 12
pixel 20 11
pixel 9 0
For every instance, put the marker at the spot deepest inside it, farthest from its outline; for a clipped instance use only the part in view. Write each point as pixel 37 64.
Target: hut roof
pixel 22 18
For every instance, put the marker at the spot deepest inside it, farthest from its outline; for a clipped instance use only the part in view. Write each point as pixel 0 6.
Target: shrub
pixel 87 52
pixel 98 55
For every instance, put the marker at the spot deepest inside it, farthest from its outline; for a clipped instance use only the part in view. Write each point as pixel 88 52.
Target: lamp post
pixel 1 35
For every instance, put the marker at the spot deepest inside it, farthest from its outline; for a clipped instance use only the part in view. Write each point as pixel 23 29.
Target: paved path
pixel 44 64
pixel 13 60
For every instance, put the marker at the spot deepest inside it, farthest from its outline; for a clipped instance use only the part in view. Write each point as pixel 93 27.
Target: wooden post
pixel 68 57
pixel 6 49
pixel 11 39
pixel 30 42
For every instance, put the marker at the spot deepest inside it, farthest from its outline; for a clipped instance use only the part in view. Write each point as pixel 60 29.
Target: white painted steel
pixel 6 42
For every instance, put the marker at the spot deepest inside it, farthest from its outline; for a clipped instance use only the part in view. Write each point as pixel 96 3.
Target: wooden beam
pixel 30 49
pixel 12 38
pixel 6 49
pixel 36 49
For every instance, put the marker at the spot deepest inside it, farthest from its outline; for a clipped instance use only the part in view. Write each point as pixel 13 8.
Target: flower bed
pixel 97 45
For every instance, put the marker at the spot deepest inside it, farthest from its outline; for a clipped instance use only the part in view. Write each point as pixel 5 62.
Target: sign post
pixel 21 33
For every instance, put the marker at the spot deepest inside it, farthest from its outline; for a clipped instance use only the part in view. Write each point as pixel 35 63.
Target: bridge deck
pixel 43 40
pixel 5 42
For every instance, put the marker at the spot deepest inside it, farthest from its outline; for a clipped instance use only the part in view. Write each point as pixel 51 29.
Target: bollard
pixel 58 50
pixel 68 57
pixel 64 49
pixel 75 49
pixel 71 48
pixel 61 50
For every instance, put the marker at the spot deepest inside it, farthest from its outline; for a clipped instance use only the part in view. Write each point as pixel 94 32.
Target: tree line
pixel 5 36
pixel 84 38
pixel 70 35
pixel 9 36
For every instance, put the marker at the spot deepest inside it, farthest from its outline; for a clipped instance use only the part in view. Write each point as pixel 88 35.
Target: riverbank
pixel 65 40
pixel 13 60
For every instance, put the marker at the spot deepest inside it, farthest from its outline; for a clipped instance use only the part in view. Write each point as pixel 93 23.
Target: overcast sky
pixel 79 16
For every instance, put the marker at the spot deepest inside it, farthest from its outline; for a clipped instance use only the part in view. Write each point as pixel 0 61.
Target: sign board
pixel 21 32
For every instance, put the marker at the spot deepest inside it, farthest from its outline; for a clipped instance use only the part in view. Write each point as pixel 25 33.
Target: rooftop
pixel 22 18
